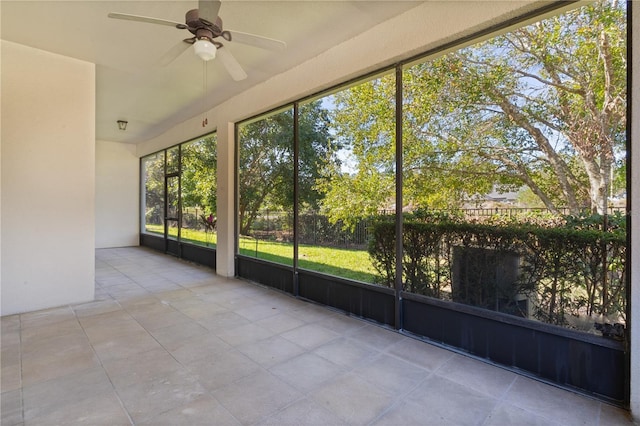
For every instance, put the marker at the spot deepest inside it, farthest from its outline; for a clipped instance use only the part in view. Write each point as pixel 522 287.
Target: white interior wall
pixel 117 195
pixel 48 174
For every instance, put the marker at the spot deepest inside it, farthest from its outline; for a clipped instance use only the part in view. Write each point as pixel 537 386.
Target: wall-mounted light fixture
pixel 122 124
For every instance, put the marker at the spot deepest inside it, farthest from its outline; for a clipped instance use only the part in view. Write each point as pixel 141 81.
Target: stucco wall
pixel 117 195
pixel 48 173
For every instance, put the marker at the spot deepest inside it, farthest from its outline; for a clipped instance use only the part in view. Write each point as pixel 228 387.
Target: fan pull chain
pixel 205 122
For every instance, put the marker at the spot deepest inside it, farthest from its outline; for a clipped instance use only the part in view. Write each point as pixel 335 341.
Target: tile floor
pixel 170 343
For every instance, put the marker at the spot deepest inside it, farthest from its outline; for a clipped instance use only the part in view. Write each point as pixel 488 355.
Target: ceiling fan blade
pixel 128 17
pixel 208 9
pixel 173 53
pixel 257 41
pixel 231 64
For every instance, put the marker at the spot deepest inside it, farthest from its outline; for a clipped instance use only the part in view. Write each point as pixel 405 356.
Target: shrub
pixel 567 268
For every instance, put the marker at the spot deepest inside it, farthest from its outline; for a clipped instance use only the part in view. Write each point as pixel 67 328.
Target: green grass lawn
pixel 192 236
pixel 344 263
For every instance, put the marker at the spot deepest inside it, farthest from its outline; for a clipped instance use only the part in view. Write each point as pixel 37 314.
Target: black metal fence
pixel 518 211
pixel 315 228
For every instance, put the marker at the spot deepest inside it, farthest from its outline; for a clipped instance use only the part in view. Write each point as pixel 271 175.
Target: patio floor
pixel 170 343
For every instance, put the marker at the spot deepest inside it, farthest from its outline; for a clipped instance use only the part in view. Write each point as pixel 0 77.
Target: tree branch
pixel 555 161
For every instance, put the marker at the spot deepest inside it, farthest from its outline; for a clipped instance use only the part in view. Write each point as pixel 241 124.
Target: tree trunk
pixel 559 166
pixel 599 181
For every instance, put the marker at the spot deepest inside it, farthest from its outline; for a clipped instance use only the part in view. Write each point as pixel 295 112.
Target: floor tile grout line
pixel 93 349
pixel 280 410
pixel 543 414
pixel 347 335
pixel 154 296
pixel 207 391
pixel 500 401
pixel 400 399
pixel 302 394
pixel 434 373
pixel 506 392
pixel 388 352
pixel 120 401
pixel 349 370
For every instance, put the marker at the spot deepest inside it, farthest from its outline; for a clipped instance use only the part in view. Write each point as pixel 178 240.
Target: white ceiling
pixel 130 84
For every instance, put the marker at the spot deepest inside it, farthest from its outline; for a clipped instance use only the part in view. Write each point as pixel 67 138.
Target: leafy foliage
pixel 565 272
pixel 199 170
pixel 195 163
pixel 363 120
pixel 153 181
pixel 266 175
pixel 543 106
pixel 266 165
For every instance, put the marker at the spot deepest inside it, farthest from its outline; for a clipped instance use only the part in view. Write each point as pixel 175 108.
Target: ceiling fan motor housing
pixel 195 23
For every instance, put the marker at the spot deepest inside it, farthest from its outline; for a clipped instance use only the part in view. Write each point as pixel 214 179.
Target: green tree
pixel 199 169
pixel 153 175
pixel 361 183
pixel 266 169
pixel 543 106
pixel 315 151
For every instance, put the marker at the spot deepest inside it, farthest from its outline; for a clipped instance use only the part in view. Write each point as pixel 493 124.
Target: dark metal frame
pixel 191 252
pixel 172 246
pixel 583 362
pixel 588 364
pixel 630 192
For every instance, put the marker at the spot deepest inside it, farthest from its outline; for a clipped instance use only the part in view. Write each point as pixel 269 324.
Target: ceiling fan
pixel 208 36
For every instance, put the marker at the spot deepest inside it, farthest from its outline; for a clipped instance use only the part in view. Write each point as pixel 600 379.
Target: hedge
pixel 561 272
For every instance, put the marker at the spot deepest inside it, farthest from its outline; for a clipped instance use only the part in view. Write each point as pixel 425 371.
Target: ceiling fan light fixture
pixel 205 49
